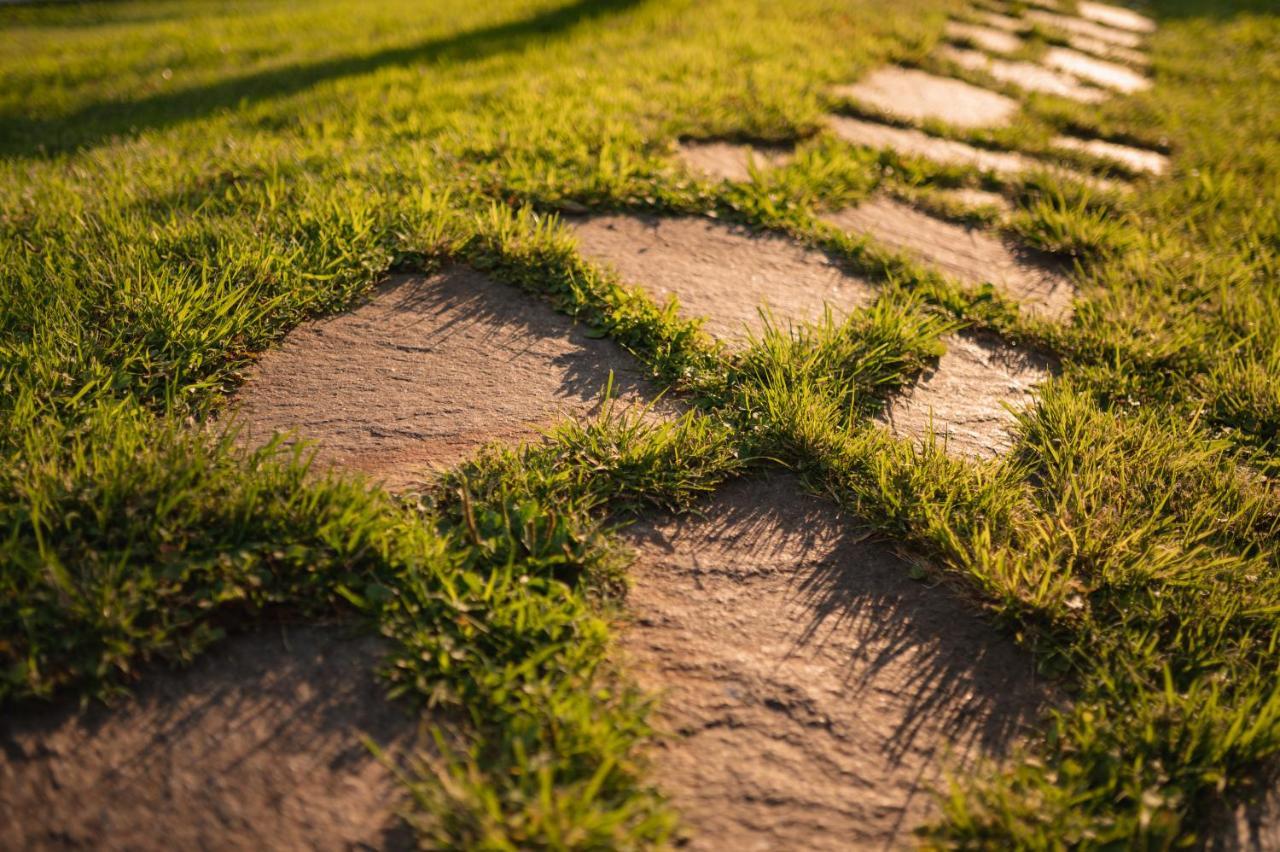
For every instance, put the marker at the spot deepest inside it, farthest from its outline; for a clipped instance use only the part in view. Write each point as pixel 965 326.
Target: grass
pixel 181 183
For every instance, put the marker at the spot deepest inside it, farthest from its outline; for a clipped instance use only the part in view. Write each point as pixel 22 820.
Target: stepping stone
pixel 1025 75
pixel 1007 23
pixel 721 272
pixel 813 694
pixel 916 143
pixel 1079 26
pixel 988 38
pixel 1109 51
pixel 1097 71
pixel 968 254
pixel 978 198
pixel 730 161
pixel 964 398
pixel 426 372
pixel 1115 16
pixel 914 95
pixel 258 745
pixel 1135 159
pixel 1251 826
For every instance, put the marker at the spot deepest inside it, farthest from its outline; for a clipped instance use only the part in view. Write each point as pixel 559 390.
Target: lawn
pixel 182 182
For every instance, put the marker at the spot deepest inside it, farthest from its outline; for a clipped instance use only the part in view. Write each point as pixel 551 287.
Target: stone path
pixel 815 696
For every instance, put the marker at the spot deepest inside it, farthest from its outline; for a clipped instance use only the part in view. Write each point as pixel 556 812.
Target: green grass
pixel 183 182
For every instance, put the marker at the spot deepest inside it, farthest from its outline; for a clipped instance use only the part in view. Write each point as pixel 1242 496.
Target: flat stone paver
pixel 969 254
pixel 1106 50
pixel 427 371
pixel 988 38
pixel 257 746
pixel 916 143
pixel 914 95
pixel 1097 71
pixel 964 398
pixel 1115 16
pixel 1007 23
pixel 1136 159
pixel 730 160
pixel 1079 26
pixel 978 198
pixel 814 696
pixel 722 273
pixel 1025 75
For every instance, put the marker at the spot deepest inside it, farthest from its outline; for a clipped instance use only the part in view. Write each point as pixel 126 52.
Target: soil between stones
pixel 721 272
pixel 966 253
pixel 426 371
pixel 963 399
pixel 729 160
pixel 917 96
pixel 258 745
pixel 814 694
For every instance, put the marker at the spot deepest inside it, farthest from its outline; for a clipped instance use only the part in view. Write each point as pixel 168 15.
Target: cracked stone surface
pixel 258 745
pixel 814 694
pixel 730 160
pixel 915 95
pixel 428 370
pixel 721 272
pixel 967 397
pixel 969 254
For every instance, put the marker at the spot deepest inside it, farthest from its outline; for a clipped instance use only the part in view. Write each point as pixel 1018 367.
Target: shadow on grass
pixel 25 136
